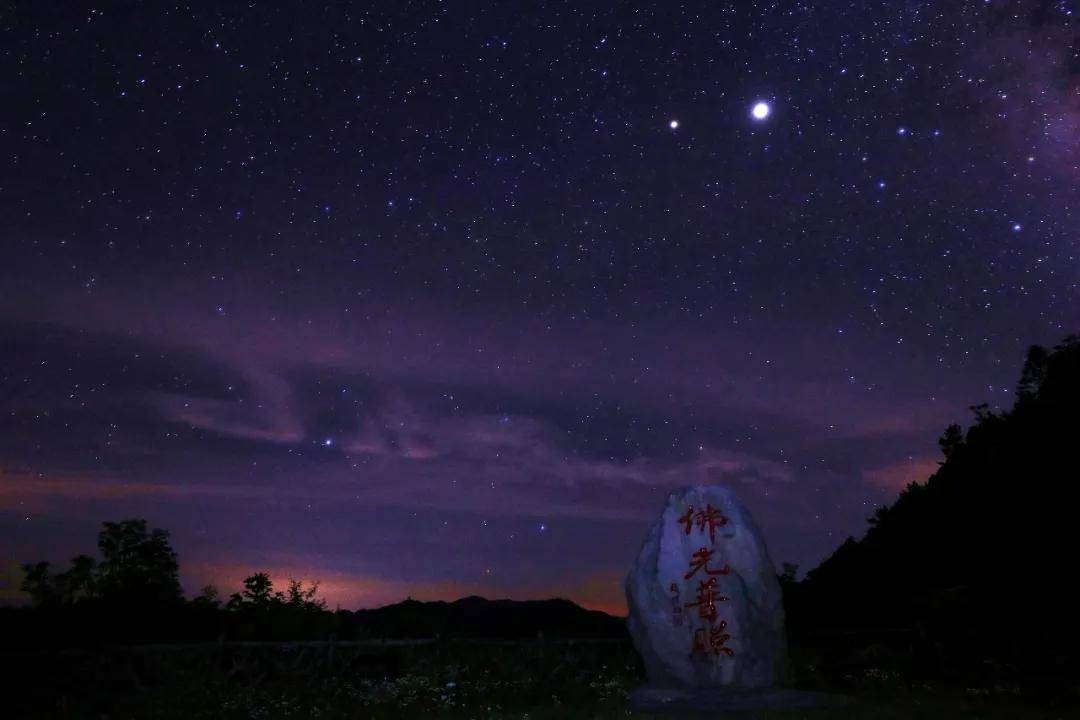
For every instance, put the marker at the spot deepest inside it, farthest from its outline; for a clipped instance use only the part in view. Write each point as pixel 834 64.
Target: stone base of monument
pixel 697 702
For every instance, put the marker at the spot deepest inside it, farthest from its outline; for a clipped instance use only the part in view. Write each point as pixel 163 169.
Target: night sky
pixel 435 299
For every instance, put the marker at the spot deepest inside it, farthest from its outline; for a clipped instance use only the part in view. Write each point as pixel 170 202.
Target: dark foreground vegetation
pixel 957 603
pixel 444 679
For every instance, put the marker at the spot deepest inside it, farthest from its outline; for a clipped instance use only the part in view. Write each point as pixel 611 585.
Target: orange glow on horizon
pixel 354 592
pixel 899 475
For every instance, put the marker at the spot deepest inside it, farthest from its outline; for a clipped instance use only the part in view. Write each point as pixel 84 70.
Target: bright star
pixel 1017 227
pixel 761 110
pixel 674 124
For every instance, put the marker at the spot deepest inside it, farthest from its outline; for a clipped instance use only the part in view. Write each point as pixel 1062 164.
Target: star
pixel 761 110
pixel 674 124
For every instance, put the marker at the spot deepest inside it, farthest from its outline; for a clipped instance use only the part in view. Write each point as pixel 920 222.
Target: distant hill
pixel 467 618
pixel 477 617
pixel 974 567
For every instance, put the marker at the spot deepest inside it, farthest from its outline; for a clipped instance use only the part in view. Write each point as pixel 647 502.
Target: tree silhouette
pixel 951 439
pixel 789 572
pixel 79 582
pixel 303 598
pixel 259 594
pixel 38 583
pixel 1033 373
pixel 208 597
pixel 138 565
pixel 259 591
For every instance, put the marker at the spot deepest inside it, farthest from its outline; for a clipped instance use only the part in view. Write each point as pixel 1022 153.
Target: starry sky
pixel 440 298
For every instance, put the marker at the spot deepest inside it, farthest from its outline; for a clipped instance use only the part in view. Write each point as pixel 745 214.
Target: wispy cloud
pixel 263 415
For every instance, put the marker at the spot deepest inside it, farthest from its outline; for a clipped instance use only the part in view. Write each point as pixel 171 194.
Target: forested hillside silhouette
pixel 969 574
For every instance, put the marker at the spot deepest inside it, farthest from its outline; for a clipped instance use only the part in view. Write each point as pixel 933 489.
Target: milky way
pixel 428 299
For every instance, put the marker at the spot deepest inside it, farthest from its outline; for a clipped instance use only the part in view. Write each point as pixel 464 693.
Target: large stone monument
pixel 706 613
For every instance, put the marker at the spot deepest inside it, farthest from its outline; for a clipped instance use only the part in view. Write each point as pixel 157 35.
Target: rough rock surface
pixel 721 627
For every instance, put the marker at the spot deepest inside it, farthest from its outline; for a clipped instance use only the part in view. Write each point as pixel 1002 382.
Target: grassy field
pixel 435 680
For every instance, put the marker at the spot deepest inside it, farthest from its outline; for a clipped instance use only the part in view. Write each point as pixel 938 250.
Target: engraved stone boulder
pixel 705 604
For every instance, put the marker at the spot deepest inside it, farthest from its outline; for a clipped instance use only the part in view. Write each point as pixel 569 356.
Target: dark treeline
pixel 968 578
pixel 132 595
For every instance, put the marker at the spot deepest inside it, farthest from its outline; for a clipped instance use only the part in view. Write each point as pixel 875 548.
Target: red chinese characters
pixel 700 561
pixel 714 641
pixel 718 639
pixel 709 517
pixel 707 597
pixel 713 638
